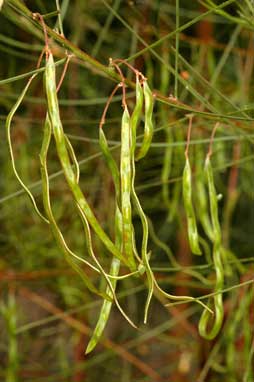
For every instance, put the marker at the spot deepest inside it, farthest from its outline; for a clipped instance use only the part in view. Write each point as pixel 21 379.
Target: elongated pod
pixel 191 219
pixel 217 259
pixel 144 266
pixel 148 130
pixel 53 224
pixel 107 305
pixel 62 150
pixel 125 181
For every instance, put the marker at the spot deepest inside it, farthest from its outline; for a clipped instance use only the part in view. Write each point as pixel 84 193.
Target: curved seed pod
pixel 144 266
pixel 135 117
pixel 107 305
pixel 191 219
pixel 219 269
pixel 213 201
pixel 168 295
pixel 105 310
pixel 201 196
pixel 8 133
pixel 145 255
pixel 148 132
pixel 202 207
pixel 115 264
pixel 85 212
pixel 103 273
pixel 125 180
pixel 47 206
pixel 54 116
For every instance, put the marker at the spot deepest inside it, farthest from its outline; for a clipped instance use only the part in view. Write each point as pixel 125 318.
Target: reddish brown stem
pixel 210 150
pixel 64 72
pixel 103 117
pixel 124 104
pixel 135 71
pixel 38 16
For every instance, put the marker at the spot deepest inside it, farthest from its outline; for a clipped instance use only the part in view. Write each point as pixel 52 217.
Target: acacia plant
pixel 127 191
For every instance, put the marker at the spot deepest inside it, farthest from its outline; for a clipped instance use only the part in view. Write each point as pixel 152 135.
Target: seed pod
pixel 125 179
pixel 107 305
pixel 136 114
pixel 191 219
pixel 62 151
pixel 219 269
pixel 148 130
pixel 53 224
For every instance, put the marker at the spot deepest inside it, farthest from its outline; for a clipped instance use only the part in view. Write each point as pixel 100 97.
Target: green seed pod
pixel 217 258
pixel 144 267
pixel 62 151
pixel 53 224
pixel 191 219
pixel 125 180
pixel 136 114
pixel 148 131
pixel 107 305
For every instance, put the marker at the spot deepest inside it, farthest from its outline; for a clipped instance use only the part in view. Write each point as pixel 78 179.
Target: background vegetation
pixel 198 58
